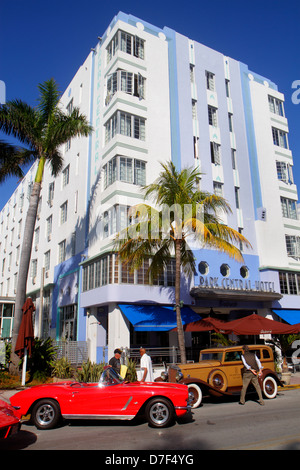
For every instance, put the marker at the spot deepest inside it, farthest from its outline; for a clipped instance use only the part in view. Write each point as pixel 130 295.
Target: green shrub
pixel 90 372
pixel 62 368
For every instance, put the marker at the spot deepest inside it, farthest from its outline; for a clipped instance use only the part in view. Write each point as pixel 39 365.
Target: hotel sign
pixel 236 284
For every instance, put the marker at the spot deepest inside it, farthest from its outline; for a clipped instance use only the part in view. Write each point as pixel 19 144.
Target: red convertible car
pixel 9 422
pixel 111 398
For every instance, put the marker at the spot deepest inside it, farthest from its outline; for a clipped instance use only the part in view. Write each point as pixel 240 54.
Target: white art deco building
pixel 154 95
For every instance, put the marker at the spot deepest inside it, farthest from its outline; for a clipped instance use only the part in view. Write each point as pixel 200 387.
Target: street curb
pixel 289 387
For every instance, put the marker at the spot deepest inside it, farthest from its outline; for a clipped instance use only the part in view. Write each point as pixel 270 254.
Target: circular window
pixel 203 268
pixel 225 270
pixel 244 272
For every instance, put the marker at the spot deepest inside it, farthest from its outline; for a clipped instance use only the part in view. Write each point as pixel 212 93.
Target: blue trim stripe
pixel 253 158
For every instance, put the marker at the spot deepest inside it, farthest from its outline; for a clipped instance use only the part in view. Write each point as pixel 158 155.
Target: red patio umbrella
pixel 206 324
pixel 25 338
pixel 256 325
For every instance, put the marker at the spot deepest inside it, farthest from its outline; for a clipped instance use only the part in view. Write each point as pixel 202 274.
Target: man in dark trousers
pixel 115 362
pixel 252 370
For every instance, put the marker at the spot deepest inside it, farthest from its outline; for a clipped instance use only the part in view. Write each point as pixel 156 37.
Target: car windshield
pixel 110 377
pixel 211 356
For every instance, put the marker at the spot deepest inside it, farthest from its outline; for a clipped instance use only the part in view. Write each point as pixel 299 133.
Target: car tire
pixel 46 414
pixel 218 380
pixel 195 394
pixel 269 387
pixel 159 413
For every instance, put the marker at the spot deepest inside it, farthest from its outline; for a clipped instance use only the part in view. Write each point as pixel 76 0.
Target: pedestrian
pixel 252 370
pixel 115 362
pixel 146 366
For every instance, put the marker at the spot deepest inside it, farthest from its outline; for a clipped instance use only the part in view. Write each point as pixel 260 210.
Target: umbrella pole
pixel 24 367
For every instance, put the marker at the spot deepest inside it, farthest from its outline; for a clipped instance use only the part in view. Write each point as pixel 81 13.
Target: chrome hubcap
pixel 159 413
pixel 45 414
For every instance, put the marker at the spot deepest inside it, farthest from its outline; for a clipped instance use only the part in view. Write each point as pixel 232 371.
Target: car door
pixel 89 400
pixel 233 366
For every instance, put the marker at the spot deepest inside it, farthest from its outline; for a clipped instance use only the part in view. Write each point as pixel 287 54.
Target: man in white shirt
pixel 146 366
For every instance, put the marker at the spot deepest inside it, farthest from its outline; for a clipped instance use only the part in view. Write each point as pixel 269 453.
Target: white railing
pixel 75 351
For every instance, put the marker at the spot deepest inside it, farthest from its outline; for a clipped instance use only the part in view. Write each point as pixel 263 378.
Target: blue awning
pixel 288 315
pixel 156 317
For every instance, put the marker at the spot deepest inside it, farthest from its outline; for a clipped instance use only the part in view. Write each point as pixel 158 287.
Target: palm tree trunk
pixel 23 272
pixel 180 332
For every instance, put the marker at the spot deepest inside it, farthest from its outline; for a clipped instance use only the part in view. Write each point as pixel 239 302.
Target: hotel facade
pixel 153 95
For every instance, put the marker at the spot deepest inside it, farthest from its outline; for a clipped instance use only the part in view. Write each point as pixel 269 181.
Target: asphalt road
pixel 224 425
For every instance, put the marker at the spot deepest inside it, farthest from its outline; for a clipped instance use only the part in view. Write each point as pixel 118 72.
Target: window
pixel 36 237
pixel 227 88
pixel 142 273
pixel 125 124
pixel 47 260
pixel 62 251
pixel 68 322
pixel 139 128
pixel 125 169
pixel 218 189
pixel 212 116
pixel 289 283
pixel 237 197
pixel 210 81
pixel 289 208
pixel 293 246
pixel 49 227
pixel 171 273
pixel 285 172
pixel 127 275
pixel 194 109
pixel 230 122
pixel 63 212
pixel 203 268
pixel 244 271
pixel 66 176
pixel 139 172
pixel 225 270
pixel 192 73
pixel 275 106
pixel 215 153
pixel 33 271
pixel 70 107
pixel 127 43
pixel 233 159
pixel 51 193
pixel 128 82
pixel 279 138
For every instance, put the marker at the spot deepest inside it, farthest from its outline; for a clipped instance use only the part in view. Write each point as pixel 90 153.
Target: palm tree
pixel 42 130
pixel 194 216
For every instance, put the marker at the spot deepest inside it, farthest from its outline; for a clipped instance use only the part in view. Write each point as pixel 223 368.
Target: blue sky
pixel 40 39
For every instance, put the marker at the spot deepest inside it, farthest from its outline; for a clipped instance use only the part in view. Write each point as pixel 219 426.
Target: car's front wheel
pixel 195 395
pixel 270 387
pixel 159 413
pixel 46 414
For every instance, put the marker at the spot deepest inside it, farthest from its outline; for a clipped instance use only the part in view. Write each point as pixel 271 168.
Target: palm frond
pixel 12 158
pixel 21 121
pixel 48 99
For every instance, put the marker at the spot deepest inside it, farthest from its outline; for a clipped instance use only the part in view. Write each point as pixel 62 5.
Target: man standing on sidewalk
pixel 146 366
pixel 252 370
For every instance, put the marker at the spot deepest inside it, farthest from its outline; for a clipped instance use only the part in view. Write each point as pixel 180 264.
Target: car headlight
pixel 179 376
pixel 164 376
